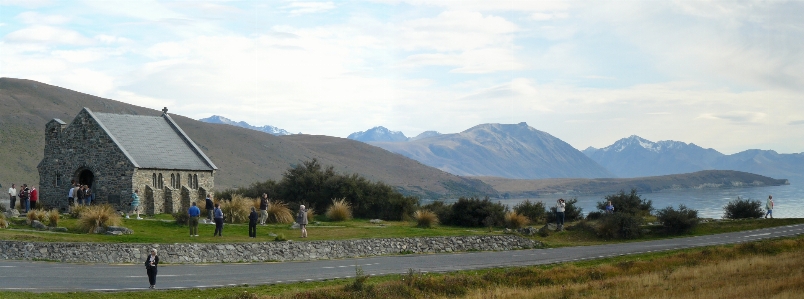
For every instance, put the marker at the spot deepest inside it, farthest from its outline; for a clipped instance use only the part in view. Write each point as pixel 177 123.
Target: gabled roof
pixel 153 141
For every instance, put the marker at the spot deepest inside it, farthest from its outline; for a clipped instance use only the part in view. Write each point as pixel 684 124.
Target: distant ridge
pixel 217 119
pixel 504 150
pixel 638 157
pixel 378 133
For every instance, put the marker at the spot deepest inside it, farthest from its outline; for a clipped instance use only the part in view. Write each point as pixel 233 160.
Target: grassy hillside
pixel 700 179
pixel 243 156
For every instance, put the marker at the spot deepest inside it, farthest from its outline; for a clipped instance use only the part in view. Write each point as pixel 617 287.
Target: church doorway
pixel 86 177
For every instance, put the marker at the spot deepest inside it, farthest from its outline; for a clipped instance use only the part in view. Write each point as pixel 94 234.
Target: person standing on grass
pixel 560 207
pixel 209 206
pixel 34 197
pixel 79 194
pixel 151 263
pixel 264 208
pixel 194 212
pixel 70 198
pixel 301 219
pixel 135 204
pixel 87 195
pixel 610 208
pixel 12 197
pixel 252 223
pixel 25 198
pixel 218 221
pixel 769 207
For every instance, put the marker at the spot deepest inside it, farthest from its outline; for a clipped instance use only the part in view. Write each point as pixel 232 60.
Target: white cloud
pixel 736 116
pixel 305 7
pixel 470 62
pixel 48 35
pixel 456 31
pixel 32 17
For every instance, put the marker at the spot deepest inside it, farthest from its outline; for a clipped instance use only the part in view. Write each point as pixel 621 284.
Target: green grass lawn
pixel 162 229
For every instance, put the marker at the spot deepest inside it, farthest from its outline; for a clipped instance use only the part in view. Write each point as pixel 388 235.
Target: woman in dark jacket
pixel 218 214
pixel 252 223
pixel 151 263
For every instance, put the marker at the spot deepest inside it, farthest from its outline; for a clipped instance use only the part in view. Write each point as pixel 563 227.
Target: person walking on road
pixel 218 221
pixel 769 207
pixel 12 197
pixel 193 212
pixel 252 223
pixel 301 219
pixel 135 204
pixel 264 208
pixel 560 207
pixel 151 263
pixel 209 206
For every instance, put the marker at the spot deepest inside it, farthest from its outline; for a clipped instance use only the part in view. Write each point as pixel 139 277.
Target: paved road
pixel 47 276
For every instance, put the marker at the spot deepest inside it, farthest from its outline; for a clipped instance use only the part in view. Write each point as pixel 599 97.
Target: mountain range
pixel 637 157
pixel 504 150
pixel 217 119
pixel 382 134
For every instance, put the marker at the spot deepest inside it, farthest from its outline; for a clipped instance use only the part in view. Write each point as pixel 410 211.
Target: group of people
pixel 215 215
pixel 28 197
pixel 80 194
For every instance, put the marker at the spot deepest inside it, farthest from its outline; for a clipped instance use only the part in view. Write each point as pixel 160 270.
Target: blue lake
pixel 788 199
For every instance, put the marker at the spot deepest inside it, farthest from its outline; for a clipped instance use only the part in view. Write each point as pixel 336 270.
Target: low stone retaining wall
pixel 115 253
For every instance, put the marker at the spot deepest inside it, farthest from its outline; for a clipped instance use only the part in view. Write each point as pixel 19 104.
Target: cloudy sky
pixel 722 74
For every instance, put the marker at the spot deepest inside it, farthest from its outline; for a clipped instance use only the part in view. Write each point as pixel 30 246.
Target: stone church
pixel 114 154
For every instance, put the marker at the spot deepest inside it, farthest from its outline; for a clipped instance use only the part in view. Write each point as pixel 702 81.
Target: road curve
pixel 60 277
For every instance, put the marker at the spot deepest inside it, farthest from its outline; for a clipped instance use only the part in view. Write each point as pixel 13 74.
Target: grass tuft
pixel 278 212
pixel 515 220
pixel 425 218
pixel 53 217
pixel 96 216
pixel 38 215
pixel 340 210
pixel 237 209
pixel 76 210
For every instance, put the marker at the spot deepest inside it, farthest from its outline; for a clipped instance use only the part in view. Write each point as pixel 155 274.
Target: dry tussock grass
pixel 38 215
pixel 515 220
pixel 340 210
pixel 425 218
pixel 92 217
pixel 3 221
pixel 278 212
pixel 53 217
pixel 76 210
pixel 237 209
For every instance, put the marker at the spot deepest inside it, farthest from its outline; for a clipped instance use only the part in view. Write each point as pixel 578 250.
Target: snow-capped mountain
pixel 379 133
pixel 217 119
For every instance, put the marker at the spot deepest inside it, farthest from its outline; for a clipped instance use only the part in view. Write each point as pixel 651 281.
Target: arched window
pixel 172 180
pixel 178 181
pixel 160 181
pixel 154 183
pixel 58 179
pixel 190 181
pixel 195 181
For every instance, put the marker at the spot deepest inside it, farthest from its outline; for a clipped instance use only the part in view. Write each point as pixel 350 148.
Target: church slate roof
pixel 153 141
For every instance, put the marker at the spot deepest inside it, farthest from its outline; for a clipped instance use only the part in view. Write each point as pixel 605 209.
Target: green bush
pixel 678 221
pixel 571 212
pixel 620 226
pixel 313 185
pixel 442 210
pixel 475 212
pixel 628 203
pixel 534 211
pixel 182 218
pixel 742 209
pixel 594 215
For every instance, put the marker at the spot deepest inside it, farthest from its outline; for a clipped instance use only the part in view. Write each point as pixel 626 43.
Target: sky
pixel 727 75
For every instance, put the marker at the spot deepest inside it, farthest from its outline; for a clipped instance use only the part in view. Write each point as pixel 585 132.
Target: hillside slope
pixel 243 156
pixel 503 150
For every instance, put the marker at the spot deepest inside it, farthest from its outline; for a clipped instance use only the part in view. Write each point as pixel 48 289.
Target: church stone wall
pixel 83 145
pixel 166 198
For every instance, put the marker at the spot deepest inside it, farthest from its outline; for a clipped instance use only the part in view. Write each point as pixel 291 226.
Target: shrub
pixel 278 212
pixel 678 221
pixel 425 218
pixel 3 221
pixel 340 210
pixel 443 211
pixel 594 215
pixel 743 208
pixel 92 217
pixel 630 203
pixel 534 211
pixel 53 217
pixel 620 226
pixel 236 210
pixel 515 220
pixel 475 212
pixel 182 218
pixel 571 212
pixel 39 215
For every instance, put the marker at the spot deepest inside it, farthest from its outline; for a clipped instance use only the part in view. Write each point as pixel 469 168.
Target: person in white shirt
pixel 12 194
